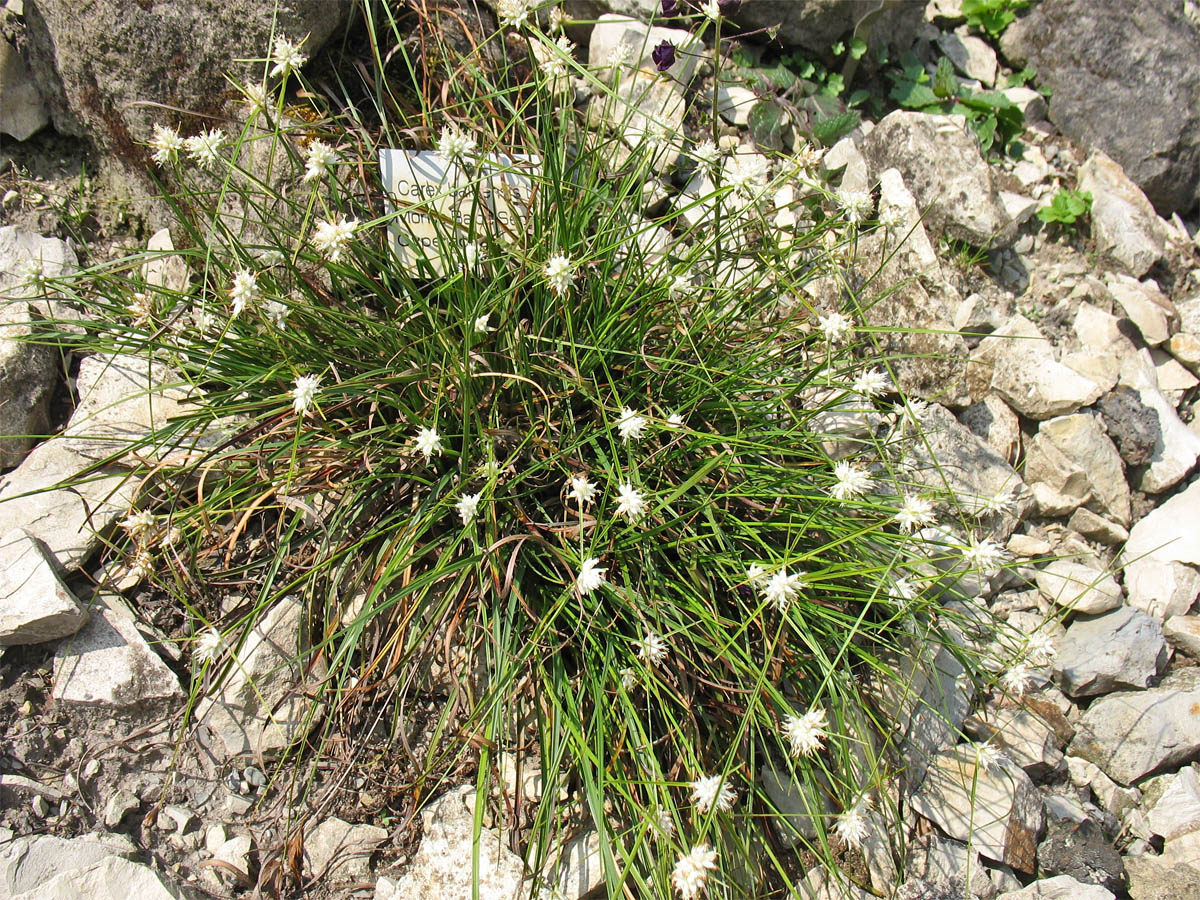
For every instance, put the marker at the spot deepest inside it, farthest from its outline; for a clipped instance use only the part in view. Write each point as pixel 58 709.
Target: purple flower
pixel 670 7
pixel 663 55
pixel 729 7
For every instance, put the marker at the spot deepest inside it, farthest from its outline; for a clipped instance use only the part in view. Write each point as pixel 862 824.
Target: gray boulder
pixel 35 604
pixel 1132 734
pixel 942 166
pixel 109 70
pixel 1123 648
pixel 1161 555
pixel 22 110
pixel 1124 81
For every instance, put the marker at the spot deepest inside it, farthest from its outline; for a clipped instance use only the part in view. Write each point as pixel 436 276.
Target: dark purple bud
pixel 663 55
pixel 729 7
pixel 670 7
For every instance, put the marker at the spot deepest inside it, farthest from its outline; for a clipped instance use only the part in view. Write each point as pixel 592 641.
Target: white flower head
pixel 1000 502
pixel 870 384
pixel 330 238
pixel 482 324
pixel 557 20
pixel 711 9
pixel 560 274
pixel 805 734
pixel 892 219
pixel 652 649
pixel 985 555
pixel 675 420
pixel 781 588
pixel 208 647
pixel 590 576
pixel 618 56
pixel 143 563
pixel 1017 679
pixel 748 174
pixel 471 254
pixel 1040 649
pixel 851 481
pixel 205 147
pixel 138 524
pixel 707 155
pixel 858 205
pixel 244 291
pixel 987 756
pixel 631 503
pixel 904 590
pixel 581 490
pixel 455 145
pixel 304 392
pixel 691 871
pixel 915 513
pixel 628 678
pixel 631 425
pixel 681 286
pixel 429 442
pixel 513 13
pixel 166 143
pixel 320 157
pixel 287 57
pixel 713 792
pixel 852 825
pixel 836 327
pixel 556 65
pixel 756 575
pixel 467 506
pixel 276 313
pixel 664 823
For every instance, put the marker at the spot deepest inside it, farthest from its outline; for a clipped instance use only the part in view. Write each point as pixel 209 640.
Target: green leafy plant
pixel 585 469
pixel 992 16
pixel 995 119
pixel 1066 208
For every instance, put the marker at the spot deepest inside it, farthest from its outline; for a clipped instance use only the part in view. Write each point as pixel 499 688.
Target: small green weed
pixel 992 16
pixel 995 119
pixel 1067 208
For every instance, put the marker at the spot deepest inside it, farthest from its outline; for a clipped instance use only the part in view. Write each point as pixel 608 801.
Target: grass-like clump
pixel 584 462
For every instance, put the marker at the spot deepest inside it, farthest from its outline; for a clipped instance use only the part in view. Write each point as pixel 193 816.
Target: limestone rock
pixel 939 160
pixel 1018 364
pixel 1124 223
pixel 173 55
pixel 1152 879
pixel 951 457
pixel 1131 734
pixel 1061 887
pixel 998 426
pixel 23 113
pixel 578 867
pixel 125 403
pixel 166 270
pixel 1021 734
pixel 1146 306
pixel 28 373
pixel 1078 588
pixel 95 867
pixel 68 519
pixel 444 862
pixel 35 604
pixel 912 289
pixel 1159 556
pixel 1176 447
pixel 816 24
pixel 109 663
pixel 1082 440
pixel 1177 811
pixel 949 866
pixel 336 850
pixel 1122 648
pixel 1146 119
pixel 260 705
pixel 639 40
pixel 1183 633
pixel 972 56
pixel 1097 528
pixel 1080 850
pixel 997 811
